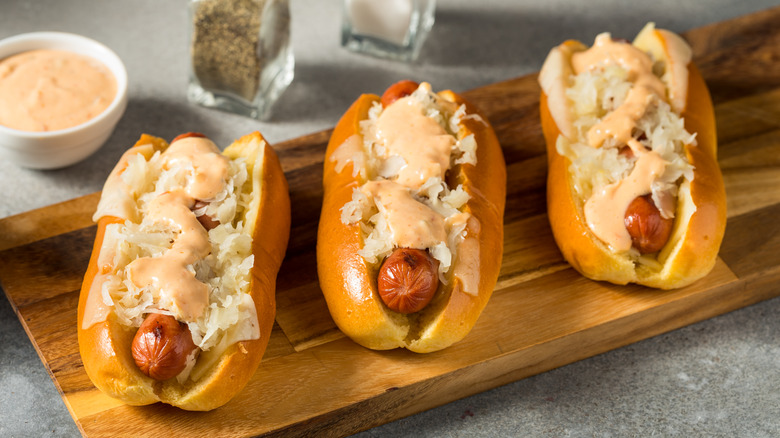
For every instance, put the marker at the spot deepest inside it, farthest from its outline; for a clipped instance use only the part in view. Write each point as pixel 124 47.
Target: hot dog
pixel 161 346
pixel 634 191
pixel 407 280
pixel 178 302
pixel 410 236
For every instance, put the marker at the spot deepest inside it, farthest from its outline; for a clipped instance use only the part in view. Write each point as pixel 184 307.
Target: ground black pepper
pixel 226 51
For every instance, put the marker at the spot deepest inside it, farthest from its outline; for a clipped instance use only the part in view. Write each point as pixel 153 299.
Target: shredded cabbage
pixel 225 270
pixel 371 215
pixel 592 95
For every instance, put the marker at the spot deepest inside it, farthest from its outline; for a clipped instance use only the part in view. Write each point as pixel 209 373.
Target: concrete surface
pixel 717 378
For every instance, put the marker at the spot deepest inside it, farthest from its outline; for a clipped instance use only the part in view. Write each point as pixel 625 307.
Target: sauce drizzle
pixel 170 273
pixel 606 208
pixel 620 123
pixel 414 224
pixel 423 144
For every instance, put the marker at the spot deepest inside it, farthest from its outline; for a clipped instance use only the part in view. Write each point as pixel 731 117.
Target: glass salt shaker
pixel 240 55
pixel 394 29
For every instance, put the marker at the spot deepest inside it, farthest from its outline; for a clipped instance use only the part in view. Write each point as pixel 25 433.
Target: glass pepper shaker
pixel 240 55
pixel 394 29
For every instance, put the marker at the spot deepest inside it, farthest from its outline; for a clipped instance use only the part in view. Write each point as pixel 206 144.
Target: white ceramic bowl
pixel 54 149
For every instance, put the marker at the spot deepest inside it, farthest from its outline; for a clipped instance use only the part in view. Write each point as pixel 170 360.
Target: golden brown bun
pixel 350 285
pixel 693 247
pixel 105 347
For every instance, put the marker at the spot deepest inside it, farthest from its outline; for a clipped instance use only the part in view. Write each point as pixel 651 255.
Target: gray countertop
pixel 720 377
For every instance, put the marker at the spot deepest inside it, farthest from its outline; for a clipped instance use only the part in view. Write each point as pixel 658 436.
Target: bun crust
pixel 349 284
pixel 105 347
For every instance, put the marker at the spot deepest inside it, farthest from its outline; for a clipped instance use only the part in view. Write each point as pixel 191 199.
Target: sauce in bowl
pixel 49 90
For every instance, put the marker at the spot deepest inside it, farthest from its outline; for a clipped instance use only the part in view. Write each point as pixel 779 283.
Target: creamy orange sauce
pixel 413 224
pixel 48 90
pixel 412 148
pixel 606 208
pixel 423 144
pixel 210 167
pixel 606 51
pixel 170 275
pixel 620 123
pixel 605 211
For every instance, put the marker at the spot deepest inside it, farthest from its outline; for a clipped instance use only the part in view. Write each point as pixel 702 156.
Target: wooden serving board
pixel 542 315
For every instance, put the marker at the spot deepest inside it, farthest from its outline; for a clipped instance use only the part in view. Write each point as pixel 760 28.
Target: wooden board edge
pixel 65 399
pixel 505 368
pixel 34 225
pixel 536 359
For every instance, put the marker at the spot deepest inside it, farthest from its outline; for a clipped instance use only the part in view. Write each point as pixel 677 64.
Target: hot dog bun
pixel 349 282
pixel 220 372
pixel 700 218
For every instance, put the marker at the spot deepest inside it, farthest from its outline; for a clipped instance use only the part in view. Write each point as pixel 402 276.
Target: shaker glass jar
pixel 241 59
pixel 393 29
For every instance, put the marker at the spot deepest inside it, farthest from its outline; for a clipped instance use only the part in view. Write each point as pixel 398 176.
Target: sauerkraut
pixel 594 94
pixel 434 193
pixel 379 165
pixel 226 270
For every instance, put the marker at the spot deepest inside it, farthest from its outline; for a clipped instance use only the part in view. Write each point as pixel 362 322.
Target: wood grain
pixel 314 381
